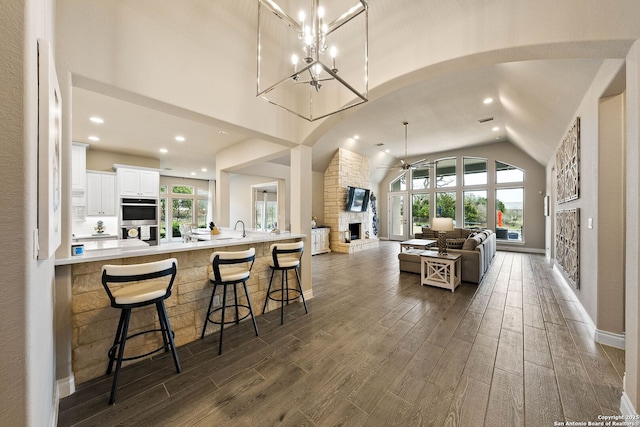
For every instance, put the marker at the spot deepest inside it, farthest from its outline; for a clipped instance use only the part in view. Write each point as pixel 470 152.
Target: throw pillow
pixel 455 243
pixel 471 243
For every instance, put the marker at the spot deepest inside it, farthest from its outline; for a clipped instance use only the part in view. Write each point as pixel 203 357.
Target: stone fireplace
pixel 347 168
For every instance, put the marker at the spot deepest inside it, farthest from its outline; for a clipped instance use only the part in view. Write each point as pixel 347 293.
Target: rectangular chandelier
pixel 315 64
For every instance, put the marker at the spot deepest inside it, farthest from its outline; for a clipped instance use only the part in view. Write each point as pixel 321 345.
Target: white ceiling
pixel 533 103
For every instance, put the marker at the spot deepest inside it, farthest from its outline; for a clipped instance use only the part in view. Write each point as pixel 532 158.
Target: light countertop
pixel 226 238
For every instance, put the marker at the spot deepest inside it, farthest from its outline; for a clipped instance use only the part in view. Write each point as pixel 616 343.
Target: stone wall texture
pixel 94 321
pixel 346 168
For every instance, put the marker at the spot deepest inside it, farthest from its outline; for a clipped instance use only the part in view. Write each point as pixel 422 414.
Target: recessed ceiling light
pixel 96 119
pixel 356 137
pixel 487 101
pixel 180 138
pixel 495 128
pixel 223 132
pixel 164 150
pixel 94 138
pixel 203 169
pixel 387 151
pixel 193 173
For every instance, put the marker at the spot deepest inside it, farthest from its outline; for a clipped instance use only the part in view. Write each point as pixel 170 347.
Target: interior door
pixel 398 216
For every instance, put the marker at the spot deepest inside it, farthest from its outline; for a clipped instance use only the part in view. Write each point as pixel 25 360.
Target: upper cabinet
pixel 78 180
pixel 133 182
pixel 101 193
pixel 78 166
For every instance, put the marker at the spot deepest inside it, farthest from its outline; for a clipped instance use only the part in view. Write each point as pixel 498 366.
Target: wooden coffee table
pixel 443 271
pixel 416 244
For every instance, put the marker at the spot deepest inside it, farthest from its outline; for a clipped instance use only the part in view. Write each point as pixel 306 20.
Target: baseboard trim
pixel 509 248
pixel 610 339
pixel 308 294
pixel 599 336
pixel 66 386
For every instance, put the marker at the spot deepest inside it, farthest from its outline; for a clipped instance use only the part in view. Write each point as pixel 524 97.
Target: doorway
pixel 398 216
pixel 265 206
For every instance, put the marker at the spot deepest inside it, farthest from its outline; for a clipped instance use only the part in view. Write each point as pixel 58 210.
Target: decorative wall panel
pixel 568 244
pixel 568 165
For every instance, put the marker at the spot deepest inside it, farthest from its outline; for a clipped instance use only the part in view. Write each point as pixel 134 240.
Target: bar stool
pixel 237 268
pixel 285 257
pixel 139 285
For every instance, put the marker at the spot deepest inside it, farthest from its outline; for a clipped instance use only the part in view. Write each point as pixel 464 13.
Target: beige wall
pixel 632 273
pixel 593 174
pixel 27 365
pixel 534 188
pixel 100 160
pixel 611 214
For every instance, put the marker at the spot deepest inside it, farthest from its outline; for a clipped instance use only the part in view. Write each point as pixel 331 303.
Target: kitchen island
pixel 87 312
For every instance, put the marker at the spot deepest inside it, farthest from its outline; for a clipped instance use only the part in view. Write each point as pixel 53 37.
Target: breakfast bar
pixel 93 321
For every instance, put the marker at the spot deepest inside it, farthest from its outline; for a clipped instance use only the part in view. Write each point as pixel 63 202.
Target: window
pixel 201 211
pixel 475 171
pixel 163 217
pixel 446 205
pixel 182 189
pixel 182 213
pixel 420 179
pixel 508 173
pixel 419 212
pixel 399 184
pixel 475 209
pixel 446 173
pixel 509 218
pixel 182 204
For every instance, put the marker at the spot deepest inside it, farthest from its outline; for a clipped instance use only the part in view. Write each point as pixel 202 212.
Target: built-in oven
pixel 139 211
pixel 139 219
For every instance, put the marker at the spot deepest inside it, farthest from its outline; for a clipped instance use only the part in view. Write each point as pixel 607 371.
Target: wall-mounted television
pixel 357 199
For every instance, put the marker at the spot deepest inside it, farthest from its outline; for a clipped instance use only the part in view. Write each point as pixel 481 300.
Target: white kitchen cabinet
pixel 78 166
pixel 320 240
pixel 138 182
pixel 101 193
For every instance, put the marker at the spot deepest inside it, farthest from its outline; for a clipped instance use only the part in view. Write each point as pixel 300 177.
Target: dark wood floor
pixel 378 349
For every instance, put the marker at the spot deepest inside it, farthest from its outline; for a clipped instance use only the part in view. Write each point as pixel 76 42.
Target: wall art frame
pixel 568 244
pixel 568 165
pixel 49 154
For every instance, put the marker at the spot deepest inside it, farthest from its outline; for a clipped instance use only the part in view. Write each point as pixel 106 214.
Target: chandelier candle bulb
pixel 333 52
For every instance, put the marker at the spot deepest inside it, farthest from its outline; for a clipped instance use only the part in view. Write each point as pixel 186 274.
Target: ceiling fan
pixel 404 163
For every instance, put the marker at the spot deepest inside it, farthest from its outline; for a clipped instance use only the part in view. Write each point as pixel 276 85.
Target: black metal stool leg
pixel 282 297
pixel 116 340
pixel 300 288
pixel 206 320
pixel 246 292
pixel 163 327
pixel 121 345
pixel 162 313
pixel 268 296
pixel 235 300
pixel 224 306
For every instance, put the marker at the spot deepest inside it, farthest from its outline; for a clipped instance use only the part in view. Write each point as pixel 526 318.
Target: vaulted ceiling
pixel 535 95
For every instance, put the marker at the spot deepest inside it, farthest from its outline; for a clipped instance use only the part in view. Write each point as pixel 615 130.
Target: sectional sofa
pixel 477 247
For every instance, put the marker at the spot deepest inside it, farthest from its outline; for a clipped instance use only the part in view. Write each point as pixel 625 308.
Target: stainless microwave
pixel 139 211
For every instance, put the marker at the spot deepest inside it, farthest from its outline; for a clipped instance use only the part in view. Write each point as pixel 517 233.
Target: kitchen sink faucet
pixel 244 234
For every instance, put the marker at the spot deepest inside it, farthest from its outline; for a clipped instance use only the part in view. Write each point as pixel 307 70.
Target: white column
pixel 300 197
pixel 631 395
